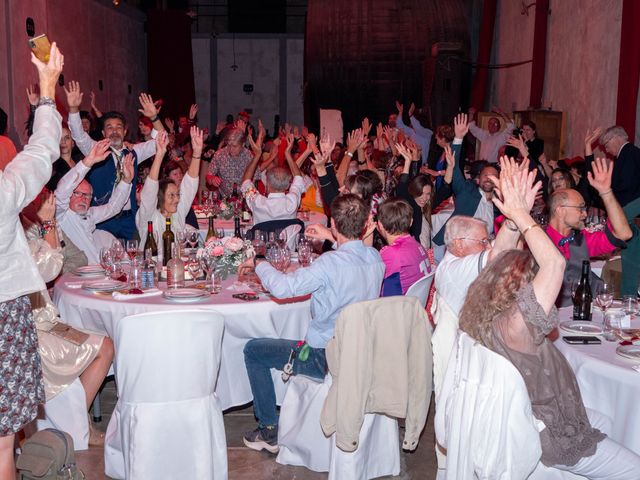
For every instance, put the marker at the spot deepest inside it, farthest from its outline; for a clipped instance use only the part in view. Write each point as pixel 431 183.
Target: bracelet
pixel 155 118
pixel 510 225
pixel 47 226
pixel 361 163
pixel 47 101
pixel 195 158
pixel 533 225
pixel 349 154
pixel 605 193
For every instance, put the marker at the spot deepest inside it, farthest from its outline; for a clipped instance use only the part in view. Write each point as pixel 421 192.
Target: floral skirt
pixel 21 384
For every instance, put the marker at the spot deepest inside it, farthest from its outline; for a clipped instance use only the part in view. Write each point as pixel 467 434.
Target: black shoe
pixel 265 438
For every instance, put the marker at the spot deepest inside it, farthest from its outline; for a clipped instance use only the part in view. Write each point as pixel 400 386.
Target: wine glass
pixel 274 256
pixel 193 236
pixel 304 254
pixel 118 250
pixel 281 237
pixel 208 263
pixel 106 260
pixel 132 249
pixel 258 242
pixel 181 238
pixel 286 259
pixel 193 267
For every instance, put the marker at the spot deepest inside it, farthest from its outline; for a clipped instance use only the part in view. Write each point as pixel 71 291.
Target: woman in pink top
pixel 405 259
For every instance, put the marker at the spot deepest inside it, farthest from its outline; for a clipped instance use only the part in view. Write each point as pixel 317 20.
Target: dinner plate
pixel 185 294
pixel 89 271
pixel 585 328
pixel 629 351
pixel 104 286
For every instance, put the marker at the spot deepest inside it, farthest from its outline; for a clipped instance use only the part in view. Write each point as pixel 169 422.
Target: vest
pixel 577 254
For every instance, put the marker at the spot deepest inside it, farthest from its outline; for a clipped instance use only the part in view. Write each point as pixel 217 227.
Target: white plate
pixel 185 294
pixel 585 328
pixel 629 351
pixel 89 270
pixel 104 286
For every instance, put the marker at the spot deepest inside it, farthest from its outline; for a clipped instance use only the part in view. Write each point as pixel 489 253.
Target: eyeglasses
pixel 484 241
pixel 82 195
pixel 582 208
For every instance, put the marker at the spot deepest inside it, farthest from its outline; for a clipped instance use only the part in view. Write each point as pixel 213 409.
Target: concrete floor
pixel 246 464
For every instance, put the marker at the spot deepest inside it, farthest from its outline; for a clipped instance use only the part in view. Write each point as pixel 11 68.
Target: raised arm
pixel 150 111
pixel 74 99
pixel 96 111
pixel 162 140
pixel 600 179
pixel 256 147
pixel 197 142
pixel 354 139
pixel 293 166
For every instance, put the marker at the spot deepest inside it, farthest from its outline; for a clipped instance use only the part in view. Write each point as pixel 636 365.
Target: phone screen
pixel 40 47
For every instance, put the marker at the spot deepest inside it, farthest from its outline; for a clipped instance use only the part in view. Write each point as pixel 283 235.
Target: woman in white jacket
pixel 21 384
pixel 164 199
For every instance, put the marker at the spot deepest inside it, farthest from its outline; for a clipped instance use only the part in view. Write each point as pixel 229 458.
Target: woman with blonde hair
pixel 510 309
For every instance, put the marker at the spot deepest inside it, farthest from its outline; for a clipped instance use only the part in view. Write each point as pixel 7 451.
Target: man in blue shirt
pixel 351 273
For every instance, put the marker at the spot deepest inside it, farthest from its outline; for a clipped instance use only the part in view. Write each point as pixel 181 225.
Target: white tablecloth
pixel 243 321
pixel 607 382
pixel 228 225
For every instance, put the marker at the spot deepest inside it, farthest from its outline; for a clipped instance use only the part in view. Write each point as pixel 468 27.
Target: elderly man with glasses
pixel 626 166
pixel 75 215
pixel 567 215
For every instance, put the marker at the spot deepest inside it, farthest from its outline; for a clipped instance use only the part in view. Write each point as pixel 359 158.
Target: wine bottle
pixel 175 269
pixel 212 231
pixel 150 243
pixel 234 192
pixel 236 227
pixel 167 240
pixel 583 296
pixel 246 213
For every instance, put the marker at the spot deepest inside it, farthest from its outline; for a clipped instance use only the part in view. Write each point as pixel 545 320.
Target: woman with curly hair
pixel 510 310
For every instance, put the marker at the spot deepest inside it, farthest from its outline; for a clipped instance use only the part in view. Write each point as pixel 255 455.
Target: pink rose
pixel 217 251
pixel 234 244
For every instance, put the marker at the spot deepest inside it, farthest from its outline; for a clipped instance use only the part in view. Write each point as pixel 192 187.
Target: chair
pixel 167 422
pixel 420 288
pixel 67 411
pixel 273 225
pixel 484 419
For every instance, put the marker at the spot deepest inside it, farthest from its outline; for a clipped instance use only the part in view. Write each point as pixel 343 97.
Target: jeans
pixel 263 354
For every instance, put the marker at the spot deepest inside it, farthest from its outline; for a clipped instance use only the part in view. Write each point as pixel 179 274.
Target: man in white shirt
pixel 277 205
pixel 75 216
pixel 492 139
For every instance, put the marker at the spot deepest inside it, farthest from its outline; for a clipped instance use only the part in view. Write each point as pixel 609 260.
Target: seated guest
pixel 229 162
pixel 350 274
pixel 626 166
pixel 567 214
pixel 561 178
pixel 62 360
pixel 492 139
pixel 510 310
pixel 175 171
pixel 165 199
pixel 105 176
pixel 278 204
pixel 66 161
pixel 472 198
pixel 405 260
pixel 7 148
pixel 77 219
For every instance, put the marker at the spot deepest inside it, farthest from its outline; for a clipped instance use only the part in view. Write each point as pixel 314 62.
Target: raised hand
pixel 460 125
pixel 412 109
pixel 162 141
pixel 128 169
pixel 74 96
pixel 149 108
pixel 193 111
pixel 261 131
pixel 355 139
pixel 240 124
pixel 449 156
pixel 592 136
pixel 49 72
pixel 169 123
pixel 366 126
pixel 516 188
pixel 99 152
pixel 197 140
pixel 318 232
pixel 312 141
pixel 47 210
pixel 520 144
pixel 290 140
pixel 404 151
pixel 399 107
pixel 600 179
pixel 92 97
pixel 327 145
pixel 33 95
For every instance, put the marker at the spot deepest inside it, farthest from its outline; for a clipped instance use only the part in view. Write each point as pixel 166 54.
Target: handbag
pixel 48 455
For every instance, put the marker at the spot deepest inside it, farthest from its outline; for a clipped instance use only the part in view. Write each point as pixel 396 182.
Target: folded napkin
pixel 152 292
pixel 74 284
pixel 240 287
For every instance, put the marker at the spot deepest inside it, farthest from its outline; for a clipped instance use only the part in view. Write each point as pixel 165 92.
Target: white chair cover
pixel 420 289
pixel 167 422
pixel 102 238
pixel 67 411
pixel 302 442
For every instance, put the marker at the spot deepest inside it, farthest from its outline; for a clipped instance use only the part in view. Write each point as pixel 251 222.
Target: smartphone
pixel 582 340
pixel 40 47
pixel 245 296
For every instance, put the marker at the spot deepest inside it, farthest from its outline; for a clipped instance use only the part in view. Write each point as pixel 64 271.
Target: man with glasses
pixel 626 167
pixel 567 229
pixel 75 215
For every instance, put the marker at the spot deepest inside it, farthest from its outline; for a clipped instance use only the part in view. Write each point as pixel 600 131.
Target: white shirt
pixel 454 275
pixel 148 210
pixel 485 211
pixel 20 182
pixel 80 228
pixel 276 206
pixel 491 142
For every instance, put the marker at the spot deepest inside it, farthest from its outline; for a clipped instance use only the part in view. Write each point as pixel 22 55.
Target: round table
pixel 243 321
pixel 607 383
pixel 228 226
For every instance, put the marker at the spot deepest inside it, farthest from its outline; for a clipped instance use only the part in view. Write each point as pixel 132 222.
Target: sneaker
pixel 264 438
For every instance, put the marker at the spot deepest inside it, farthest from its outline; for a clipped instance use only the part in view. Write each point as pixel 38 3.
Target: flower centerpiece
pixel 228 208
pixel 228 252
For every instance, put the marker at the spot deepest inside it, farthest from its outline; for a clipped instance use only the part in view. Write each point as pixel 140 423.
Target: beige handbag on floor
pixel 48 455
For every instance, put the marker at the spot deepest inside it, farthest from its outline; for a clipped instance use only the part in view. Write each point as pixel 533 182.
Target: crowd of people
pixel 512 246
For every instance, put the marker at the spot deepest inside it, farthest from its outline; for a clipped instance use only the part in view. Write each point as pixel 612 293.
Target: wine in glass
pixel 132 249
pixel 193 236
